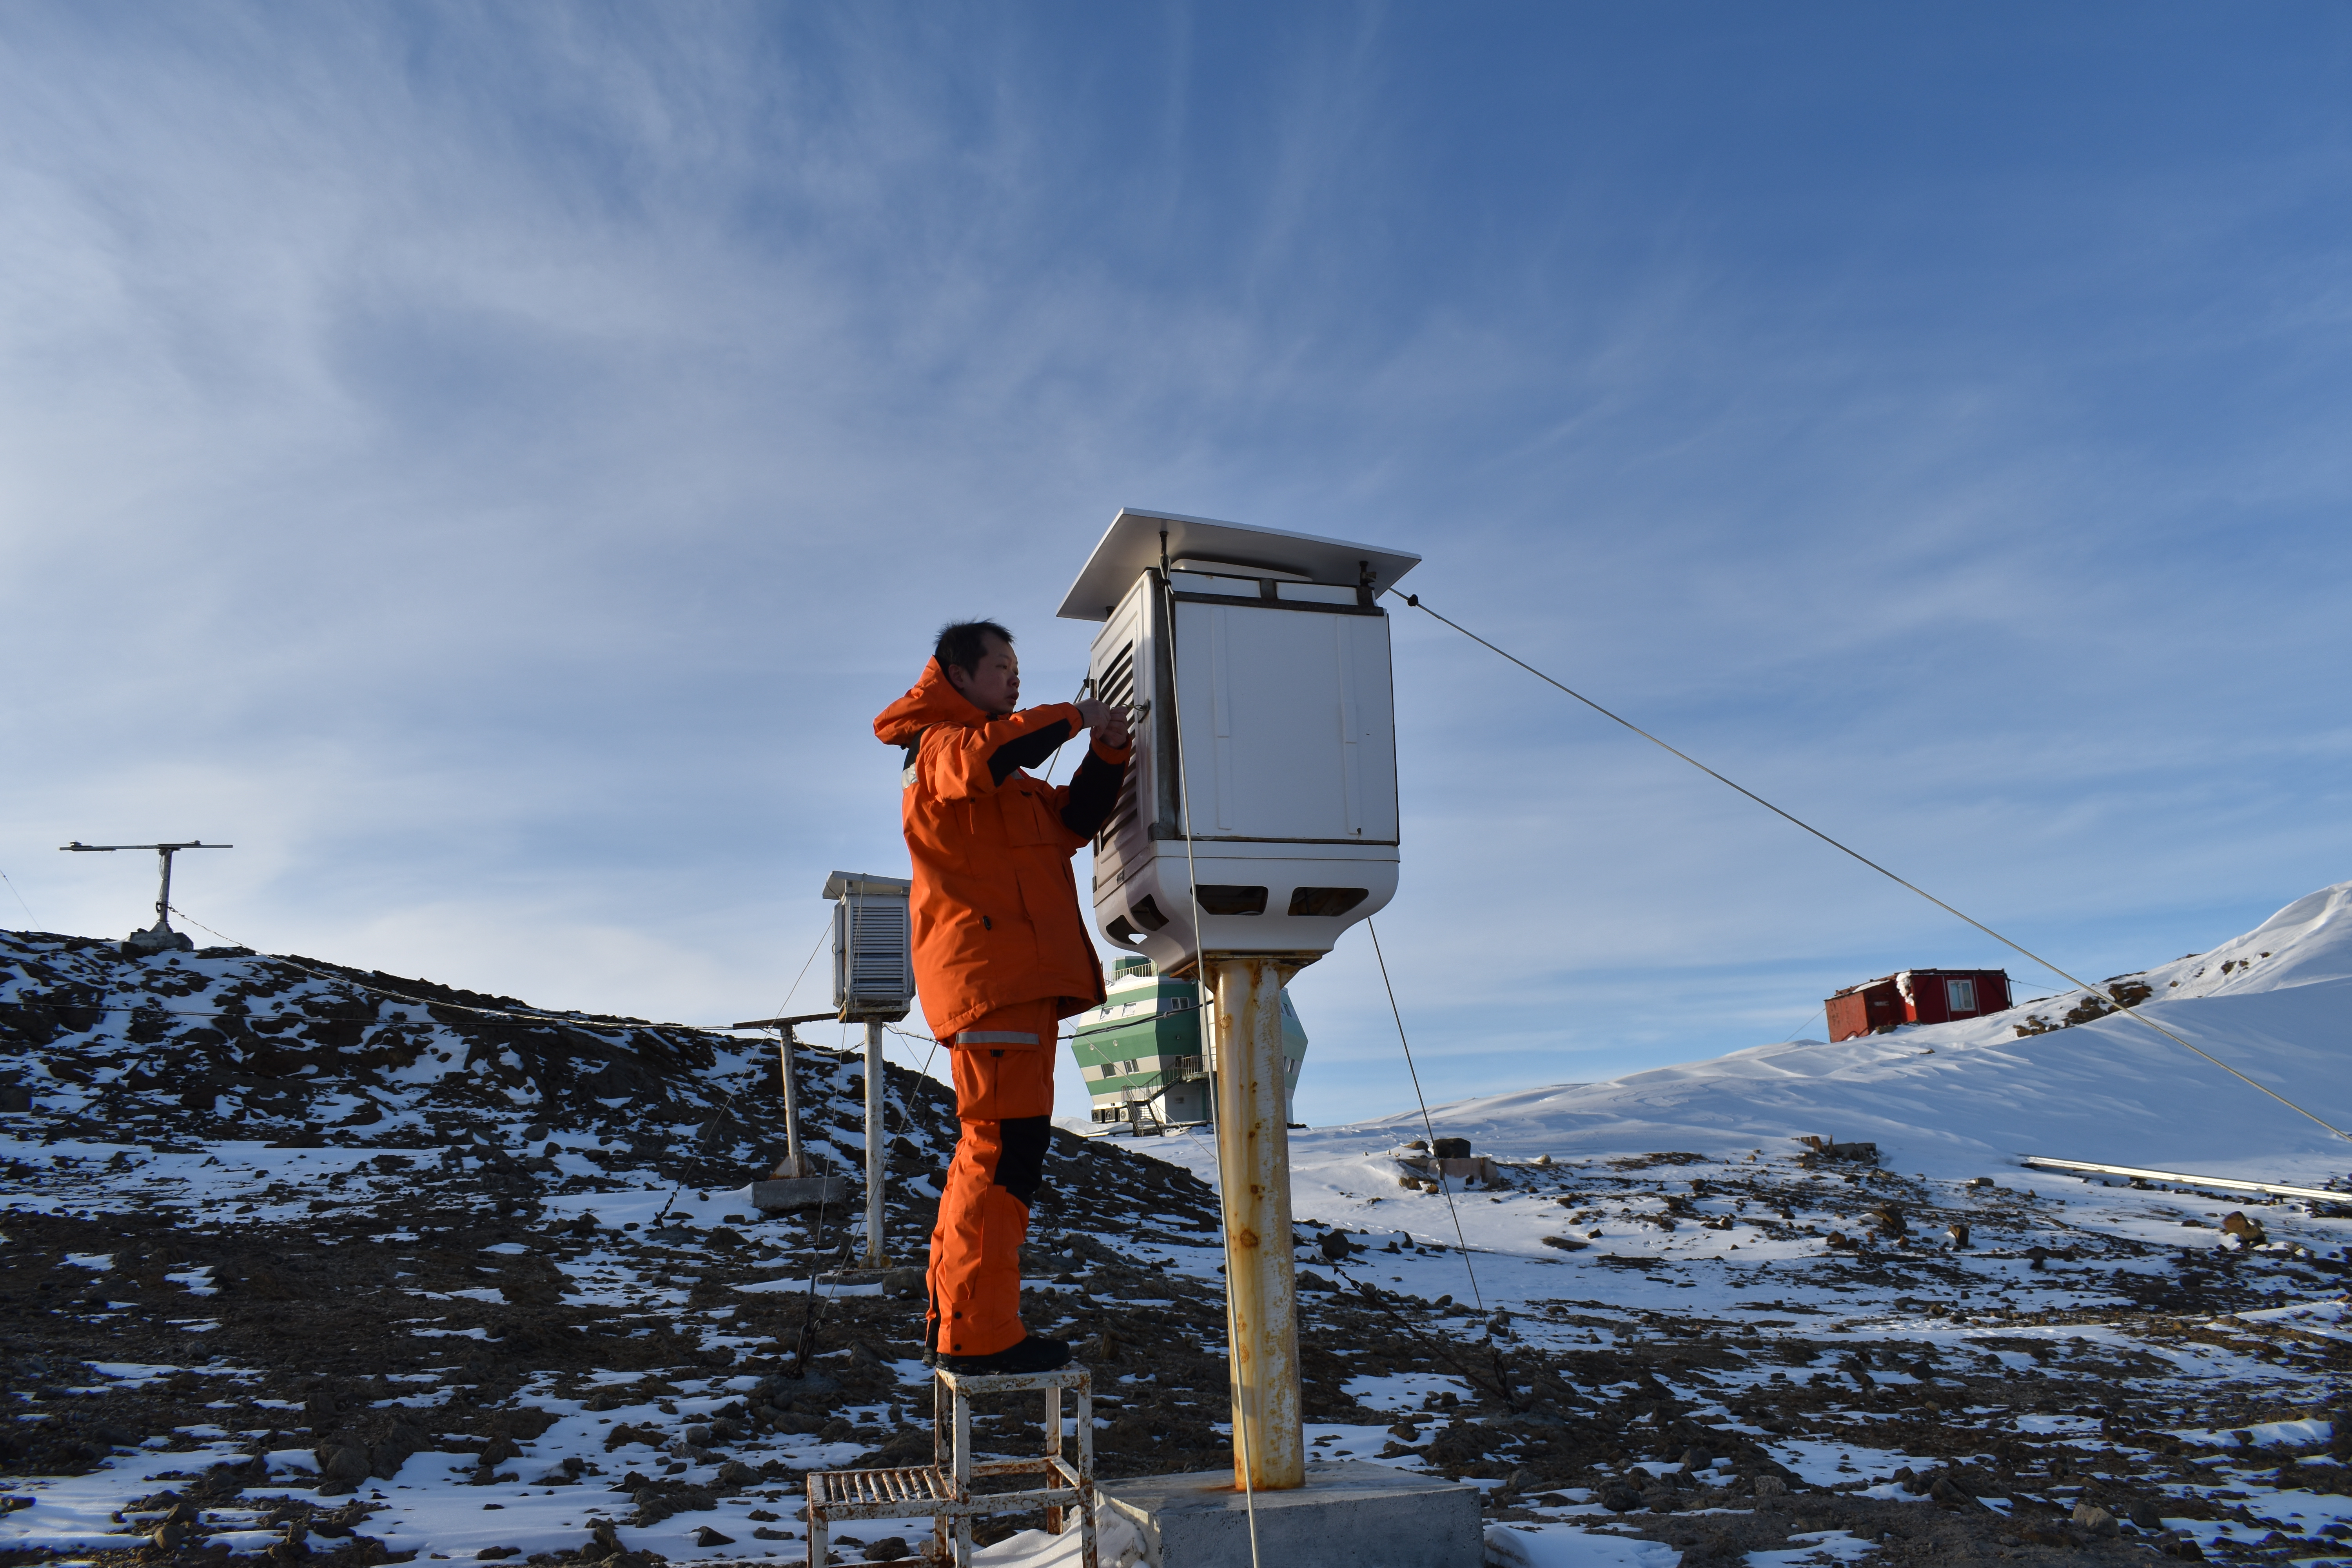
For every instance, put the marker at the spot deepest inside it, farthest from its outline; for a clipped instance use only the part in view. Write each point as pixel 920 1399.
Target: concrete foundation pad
pixel 1363 1515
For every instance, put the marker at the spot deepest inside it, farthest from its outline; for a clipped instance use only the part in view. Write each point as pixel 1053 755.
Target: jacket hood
pixel 930 700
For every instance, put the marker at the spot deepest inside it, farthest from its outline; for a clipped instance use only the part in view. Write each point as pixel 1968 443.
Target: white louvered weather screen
pixel 872 960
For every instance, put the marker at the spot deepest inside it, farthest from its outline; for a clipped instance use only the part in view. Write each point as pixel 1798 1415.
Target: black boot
pixel 1035 1353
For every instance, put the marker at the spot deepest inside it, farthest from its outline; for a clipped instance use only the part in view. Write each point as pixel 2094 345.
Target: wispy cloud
pixel 491 463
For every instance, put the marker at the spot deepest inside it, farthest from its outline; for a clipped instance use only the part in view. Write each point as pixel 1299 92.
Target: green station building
pixel 1141 1054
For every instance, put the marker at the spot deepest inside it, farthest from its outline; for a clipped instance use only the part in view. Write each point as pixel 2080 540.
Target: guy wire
pixel 1442 1186
pixel 1210 1058
pixel 2113 1000
pixel 20 898
pixel 813 950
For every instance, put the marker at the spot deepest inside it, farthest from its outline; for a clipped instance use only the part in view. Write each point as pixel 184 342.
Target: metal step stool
pixel 941 1490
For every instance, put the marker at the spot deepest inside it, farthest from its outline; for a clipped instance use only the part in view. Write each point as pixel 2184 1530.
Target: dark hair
pixel 965 643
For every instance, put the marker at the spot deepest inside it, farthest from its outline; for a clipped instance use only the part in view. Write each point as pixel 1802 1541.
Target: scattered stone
pixel 2093 1519
pixel 1821 1148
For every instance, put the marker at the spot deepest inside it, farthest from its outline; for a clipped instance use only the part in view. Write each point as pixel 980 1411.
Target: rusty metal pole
pixel 875 1134
pixel 1254 1164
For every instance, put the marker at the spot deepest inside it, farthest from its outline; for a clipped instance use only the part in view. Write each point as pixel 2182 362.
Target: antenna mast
pixel 161 938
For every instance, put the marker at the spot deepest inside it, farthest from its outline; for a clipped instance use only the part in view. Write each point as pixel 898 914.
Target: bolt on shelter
pixel 1917 996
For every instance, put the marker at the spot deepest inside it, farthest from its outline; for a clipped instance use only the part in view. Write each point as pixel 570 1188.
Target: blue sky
pixel 491 463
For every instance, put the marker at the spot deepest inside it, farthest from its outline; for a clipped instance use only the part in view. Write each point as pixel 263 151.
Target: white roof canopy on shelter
pixel 1131 543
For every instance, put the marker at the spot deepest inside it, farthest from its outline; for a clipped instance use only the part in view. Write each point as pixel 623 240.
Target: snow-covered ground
pixel 1955 1109
pixel 1660 1269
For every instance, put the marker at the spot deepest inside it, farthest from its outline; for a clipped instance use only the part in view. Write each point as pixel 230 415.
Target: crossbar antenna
pixel 161 938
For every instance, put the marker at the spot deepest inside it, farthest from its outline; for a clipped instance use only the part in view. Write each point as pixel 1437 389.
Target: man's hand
pixel 1109 724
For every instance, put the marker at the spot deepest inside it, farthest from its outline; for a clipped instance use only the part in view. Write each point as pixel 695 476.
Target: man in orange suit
pixel 1001 956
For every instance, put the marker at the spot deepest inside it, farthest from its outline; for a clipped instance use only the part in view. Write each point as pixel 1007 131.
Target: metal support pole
pixel 163 898
pixel 786 1048
pixel 875 1136
pixel 1254 1160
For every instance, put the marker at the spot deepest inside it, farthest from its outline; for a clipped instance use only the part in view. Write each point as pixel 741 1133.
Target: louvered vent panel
pixel 1115 687
pixel 878 950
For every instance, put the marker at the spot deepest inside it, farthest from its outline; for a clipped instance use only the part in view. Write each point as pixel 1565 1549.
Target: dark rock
pixel 623 1434
pixel 2093 1519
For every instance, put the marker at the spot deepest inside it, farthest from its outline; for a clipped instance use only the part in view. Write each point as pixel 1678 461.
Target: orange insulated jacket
pixel 996 908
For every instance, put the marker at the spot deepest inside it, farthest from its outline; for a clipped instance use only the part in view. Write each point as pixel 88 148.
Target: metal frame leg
pixel 963 1477
pixel 1053 1451
pixel 1087 1496
pixel 939 1533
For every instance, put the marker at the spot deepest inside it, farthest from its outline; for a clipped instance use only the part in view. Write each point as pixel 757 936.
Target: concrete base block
pixel 1367 1516
pixel 800 1193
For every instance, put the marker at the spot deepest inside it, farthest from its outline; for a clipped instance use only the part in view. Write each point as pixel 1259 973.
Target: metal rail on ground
pixel 2227 1183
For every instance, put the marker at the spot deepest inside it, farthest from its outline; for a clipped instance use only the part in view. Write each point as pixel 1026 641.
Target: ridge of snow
pixel 1948 1100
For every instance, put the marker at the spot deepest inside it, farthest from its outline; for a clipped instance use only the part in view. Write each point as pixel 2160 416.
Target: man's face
pixel 992 685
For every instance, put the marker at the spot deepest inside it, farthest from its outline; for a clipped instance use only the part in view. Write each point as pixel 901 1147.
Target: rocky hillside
pixel 341 1267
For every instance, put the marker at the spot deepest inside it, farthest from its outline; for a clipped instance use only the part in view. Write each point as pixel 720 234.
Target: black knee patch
pixel 1020 1168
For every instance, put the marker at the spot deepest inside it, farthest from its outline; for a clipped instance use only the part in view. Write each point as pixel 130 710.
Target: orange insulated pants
pixel 1004 1098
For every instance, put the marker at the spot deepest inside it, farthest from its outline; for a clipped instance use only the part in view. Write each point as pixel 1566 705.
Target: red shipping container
pixel 1917 996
